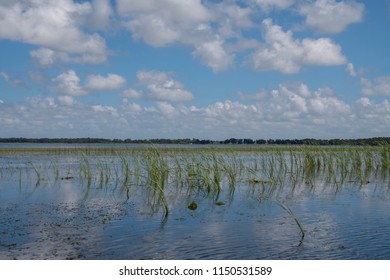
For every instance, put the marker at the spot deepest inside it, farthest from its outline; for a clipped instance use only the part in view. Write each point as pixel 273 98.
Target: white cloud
pixel 291 110
pixel 133 94
pixel 66 100
pixel 330 16
pixel 351 70
pixel 364 102
pixel 167 109
pixel 371 116
pixel 8 122
pixel 285 54
pixel 231 18
pixel 288 102
pixel 160 87
pixel 133 109
pixel 100 14
pixel 154 31
pixel 379 86
pixel 183 11
pixel 52 25
pixel 228 113
pixel 106 109
pixel 44 56
pixel 42 103
pixel 163 22
pixel 100 83
pixel 214 55
pixel 328 105
pixel 295 102
pixel 322 51
pixel 68 83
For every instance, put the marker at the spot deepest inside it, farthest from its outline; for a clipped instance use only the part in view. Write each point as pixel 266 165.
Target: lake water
pixel 50 210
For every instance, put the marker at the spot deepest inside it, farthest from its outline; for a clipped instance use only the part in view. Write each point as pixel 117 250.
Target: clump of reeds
pixel 85 170
pixel 157 171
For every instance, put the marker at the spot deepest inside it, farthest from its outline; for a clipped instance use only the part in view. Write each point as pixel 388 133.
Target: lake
pixel 193 202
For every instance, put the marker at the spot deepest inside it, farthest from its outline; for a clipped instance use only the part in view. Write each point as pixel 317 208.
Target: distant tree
pixel 261 141
pixel 248 141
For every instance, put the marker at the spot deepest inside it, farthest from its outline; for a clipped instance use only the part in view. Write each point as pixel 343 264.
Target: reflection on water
pixel 116 207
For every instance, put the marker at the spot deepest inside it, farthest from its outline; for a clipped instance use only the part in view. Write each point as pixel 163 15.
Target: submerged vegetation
pixel 166 174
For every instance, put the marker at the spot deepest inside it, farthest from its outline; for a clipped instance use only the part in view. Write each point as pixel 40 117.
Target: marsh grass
pixel 164 173
pixel 85 170
pixel 291 213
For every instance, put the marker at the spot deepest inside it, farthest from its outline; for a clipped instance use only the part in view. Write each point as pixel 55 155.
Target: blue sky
pixel 205 69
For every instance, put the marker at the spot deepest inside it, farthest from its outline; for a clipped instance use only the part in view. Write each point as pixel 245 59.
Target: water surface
pixel 58 214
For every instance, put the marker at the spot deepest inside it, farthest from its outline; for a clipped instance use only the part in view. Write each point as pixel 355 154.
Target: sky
pixel 206 69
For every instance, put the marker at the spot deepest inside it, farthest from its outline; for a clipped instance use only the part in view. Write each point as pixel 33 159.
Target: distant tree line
pixel 376 141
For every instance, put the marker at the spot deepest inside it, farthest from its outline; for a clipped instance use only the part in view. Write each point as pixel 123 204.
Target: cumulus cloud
pixel 232 18
pixel 101 83
pixel 281 52
pixel 160 86
pixel 132 94
pixel 322 51
pixel 132 109
pixel 183 11
pixel 330 16
pixel 228 112
pixel 379 86
pixel 321 105
pixel 153 30
pixel 216 32
pixel 99 17
pixel 106 109
pixel 291 107
pixel 295 101
pixel 44 56
pixel 52 25
pixel 371 116
pixel 162 22
pixel 214 55
pixel 167 109
pixel 289 101
pixel 68 83
pixel 66 100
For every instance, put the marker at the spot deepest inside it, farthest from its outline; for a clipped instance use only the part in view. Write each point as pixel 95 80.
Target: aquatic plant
pixel 291 213
pixel 267 173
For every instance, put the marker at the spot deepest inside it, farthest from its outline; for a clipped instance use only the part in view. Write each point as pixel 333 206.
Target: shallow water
pixel 63 218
